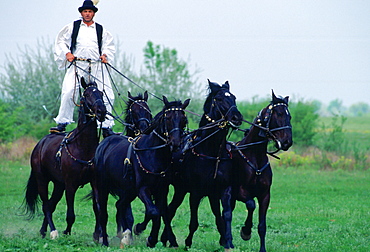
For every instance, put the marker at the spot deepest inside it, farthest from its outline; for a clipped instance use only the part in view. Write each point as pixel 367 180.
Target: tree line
pixel 31 83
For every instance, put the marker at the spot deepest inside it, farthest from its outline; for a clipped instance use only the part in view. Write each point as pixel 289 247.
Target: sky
pixel 305 49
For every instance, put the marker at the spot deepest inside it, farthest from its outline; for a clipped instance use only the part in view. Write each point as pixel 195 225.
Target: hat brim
pixel 94 9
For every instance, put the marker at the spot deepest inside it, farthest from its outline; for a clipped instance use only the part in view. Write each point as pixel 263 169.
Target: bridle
pixel 266 121
pixel 223 121
pixel 133 126
pixel 88 107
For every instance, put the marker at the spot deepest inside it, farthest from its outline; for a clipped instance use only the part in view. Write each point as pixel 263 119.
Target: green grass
pixel 356 130
pixel 310 211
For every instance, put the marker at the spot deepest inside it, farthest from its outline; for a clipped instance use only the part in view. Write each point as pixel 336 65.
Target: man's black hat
pixel 88 5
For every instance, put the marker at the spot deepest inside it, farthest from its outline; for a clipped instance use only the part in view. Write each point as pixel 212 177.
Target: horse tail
pixel 31 199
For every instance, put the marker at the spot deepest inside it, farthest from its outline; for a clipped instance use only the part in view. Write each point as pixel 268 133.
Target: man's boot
pixel 61 127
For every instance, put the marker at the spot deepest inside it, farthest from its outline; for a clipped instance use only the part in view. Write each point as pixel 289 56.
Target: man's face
pixel 87 15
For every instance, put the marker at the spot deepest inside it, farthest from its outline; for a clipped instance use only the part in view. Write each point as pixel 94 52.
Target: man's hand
pixel 104 58
pixel 70 57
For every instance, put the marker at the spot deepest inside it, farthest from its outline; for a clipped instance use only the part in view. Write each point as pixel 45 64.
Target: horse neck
pixel 257 151
pixel 212 145
pixel 129 132
pixel 86 132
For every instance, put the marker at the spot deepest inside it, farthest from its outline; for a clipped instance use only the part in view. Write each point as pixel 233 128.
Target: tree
pixel 336 107
pixel 359 109
pixel 32 81
pixel 304 122
pixel 165 74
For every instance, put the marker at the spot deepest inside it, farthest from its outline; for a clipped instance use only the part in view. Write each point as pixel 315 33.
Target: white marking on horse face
pixel 286 111
pixel 227 94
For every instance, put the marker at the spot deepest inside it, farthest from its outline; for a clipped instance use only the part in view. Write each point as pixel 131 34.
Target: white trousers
pixel 70 91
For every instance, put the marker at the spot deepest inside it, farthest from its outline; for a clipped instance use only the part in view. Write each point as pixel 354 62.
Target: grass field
pixel 310 211
pixel 356 129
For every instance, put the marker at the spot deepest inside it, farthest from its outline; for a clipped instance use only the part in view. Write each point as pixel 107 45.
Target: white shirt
pixel 86 44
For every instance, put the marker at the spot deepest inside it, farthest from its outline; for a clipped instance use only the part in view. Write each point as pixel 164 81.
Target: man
pixel 90 45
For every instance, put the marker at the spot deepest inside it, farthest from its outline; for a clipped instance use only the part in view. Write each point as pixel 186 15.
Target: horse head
pixel 275 119
pixel 138 113
pixel 220 105
pixel 172 121
pixel 92 101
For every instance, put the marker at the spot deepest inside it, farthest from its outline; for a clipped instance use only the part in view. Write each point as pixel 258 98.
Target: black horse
pixel 253 174
pixel 141 166
pixel 137 120
pixel 65 160
pixel 205 168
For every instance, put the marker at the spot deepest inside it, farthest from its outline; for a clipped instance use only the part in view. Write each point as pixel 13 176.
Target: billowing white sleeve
pixel 62 44
pixel 108 46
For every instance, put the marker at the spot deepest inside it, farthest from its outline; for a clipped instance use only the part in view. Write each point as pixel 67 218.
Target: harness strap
pixel 256 169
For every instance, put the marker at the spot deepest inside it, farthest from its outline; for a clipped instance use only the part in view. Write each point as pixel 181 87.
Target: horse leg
pixel 102 202
pixel 71 217
pixel 263 206
pixel 126 222
pixel 96 207
pixel 42 187
pixel 215 207
pixel 162 206
pixel 140 227
pixel 176 201
pixel 119 218
pixel 227 217
pixel 52 203
pixel 124 217
pixel 153 213
pixel 194 224
pixel 246 230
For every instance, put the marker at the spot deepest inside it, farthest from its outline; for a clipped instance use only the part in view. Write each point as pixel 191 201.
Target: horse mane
pixel 279 99
pixel 158 117
pixel 208 103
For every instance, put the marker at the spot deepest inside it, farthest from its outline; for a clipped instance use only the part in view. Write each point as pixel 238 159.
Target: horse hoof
pixel 244 236
pixel 54 234
pixel 126 238
pixel 149 244
pixel 137 231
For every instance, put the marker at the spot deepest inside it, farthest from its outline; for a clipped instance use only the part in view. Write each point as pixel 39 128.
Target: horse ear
pixel 274 98
pixel 185 104
pixel 165 100
pixel 226 85
pixel 286 99
pixel 273 94
pixel 213 86
pixel 129 94
pixel 146 96
pixel 83 83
